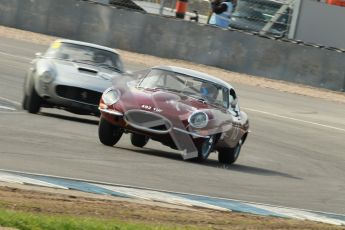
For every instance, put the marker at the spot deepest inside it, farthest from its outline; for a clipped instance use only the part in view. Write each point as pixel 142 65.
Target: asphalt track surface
pixel 295 155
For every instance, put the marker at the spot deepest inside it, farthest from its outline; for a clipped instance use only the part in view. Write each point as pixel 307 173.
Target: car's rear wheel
pixel 139 140
pixel 108 133
pixel 229 155
pixel 33 101
pixel 205 148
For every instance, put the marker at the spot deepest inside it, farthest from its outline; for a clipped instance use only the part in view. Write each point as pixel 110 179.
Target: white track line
pixel 17 56
pixel 11 101
pixel 7 108
pixel 295 119
pixel 252 110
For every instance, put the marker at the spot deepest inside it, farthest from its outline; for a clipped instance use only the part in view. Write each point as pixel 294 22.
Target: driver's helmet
pixel 208 90
pixel 99 57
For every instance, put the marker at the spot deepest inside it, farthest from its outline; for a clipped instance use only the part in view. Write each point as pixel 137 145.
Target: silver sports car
pixel 71 75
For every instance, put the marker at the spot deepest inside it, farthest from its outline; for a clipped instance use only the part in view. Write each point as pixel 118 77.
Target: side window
pixel 233 101
pixel 225 98
pixel 220 97
pixel 174 82
pixel 232 96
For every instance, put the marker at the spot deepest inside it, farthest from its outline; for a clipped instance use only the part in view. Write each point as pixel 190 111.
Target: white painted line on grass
pixel 160 196
pixel 295 119
pixel 5 177
pixel 300 214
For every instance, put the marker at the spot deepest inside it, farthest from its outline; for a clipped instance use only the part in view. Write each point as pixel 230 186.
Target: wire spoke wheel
pixel 205 148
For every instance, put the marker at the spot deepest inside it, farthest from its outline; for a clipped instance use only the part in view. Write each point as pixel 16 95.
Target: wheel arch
pixel 244 137
pixel 29 81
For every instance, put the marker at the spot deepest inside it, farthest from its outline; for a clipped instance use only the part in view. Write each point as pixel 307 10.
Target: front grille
pixel 148 121
pixel 78 94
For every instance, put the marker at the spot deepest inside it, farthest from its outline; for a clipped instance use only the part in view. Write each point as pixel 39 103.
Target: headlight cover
pixel 47 76
pixel 111 96
pixel 198 120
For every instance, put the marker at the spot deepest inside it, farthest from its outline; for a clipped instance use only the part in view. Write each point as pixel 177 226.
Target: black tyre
pixel 205 148
pixel 139 140
pixel 33 103
pixel 108 133
pixel 25 102
pixel 229 155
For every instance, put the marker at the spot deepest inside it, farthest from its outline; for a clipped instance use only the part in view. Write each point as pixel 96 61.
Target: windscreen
pixel 211 92
pixel 84 54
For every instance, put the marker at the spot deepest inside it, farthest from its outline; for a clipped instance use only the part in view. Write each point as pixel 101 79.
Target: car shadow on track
pixel 212 163
pixel 154 152
pixel 70 118
pixel 249 169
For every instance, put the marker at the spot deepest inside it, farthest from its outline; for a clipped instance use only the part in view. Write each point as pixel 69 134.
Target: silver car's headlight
pixel 198 119
pixel 111 96
pixel 47 76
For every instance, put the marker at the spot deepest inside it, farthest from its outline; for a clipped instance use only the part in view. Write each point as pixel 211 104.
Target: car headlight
pixel 111 96
pixel 47 76
pixel 198 119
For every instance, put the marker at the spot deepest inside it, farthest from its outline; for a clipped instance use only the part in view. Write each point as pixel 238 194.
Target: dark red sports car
pixel 181 108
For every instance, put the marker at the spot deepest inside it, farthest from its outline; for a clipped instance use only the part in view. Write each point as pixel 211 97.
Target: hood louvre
pixel 87 70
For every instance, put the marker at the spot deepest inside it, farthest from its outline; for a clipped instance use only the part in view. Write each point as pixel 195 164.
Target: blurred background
pixel 266 17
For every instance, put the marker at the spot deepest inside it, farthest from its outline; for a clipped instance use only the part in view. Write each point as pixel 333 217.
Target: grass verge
pixel 27 207
pixel 28 221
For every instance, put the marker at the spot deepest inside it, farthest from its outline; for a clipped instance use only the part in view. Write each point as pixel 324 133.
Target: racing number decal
pixel 147 107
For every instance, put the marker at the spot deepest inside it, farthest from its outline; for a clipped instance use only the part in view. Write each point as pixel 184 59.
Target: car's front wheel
pixel 205 148
pixel 139 140
pixel 25 102
pixel 32 101
pixel 108 133
pixel 229 155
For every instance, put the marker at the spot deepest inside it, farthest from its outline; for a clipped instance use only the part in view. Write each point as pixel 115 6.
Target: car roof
pixel 196 74
pixel 87 44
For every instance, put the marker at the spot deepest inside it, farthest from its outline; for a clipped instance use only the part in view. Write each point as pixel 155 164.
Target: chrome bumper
pixel 112 112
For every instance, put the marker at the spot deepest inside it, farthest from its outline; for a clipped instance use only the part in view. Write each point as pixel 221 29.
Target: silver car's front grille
pixel 148 121
pixel 78 94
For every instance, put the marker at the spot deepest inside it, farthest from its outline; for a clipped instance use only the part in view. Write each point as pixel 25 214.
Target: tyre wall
pixel 177 39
